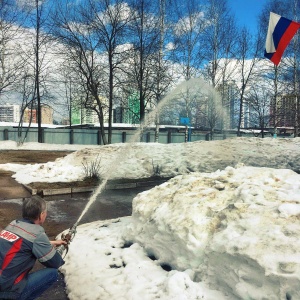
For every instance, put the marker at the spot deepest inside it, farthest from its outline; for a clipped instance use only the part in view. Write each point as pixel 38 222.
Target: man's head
pixel 34 209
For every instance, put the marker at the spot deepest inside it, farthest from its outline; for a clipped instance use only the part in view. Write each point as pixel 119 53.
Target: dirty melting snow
pixel 221 229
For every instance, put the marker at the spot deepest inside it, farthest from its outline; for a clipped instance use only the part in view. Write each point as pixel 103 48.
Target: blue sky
pixel 247 11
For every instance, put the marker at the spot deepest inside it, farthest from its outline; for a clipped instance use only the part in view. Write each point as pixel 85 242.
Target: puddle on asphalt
pixel 110 204
pixel 64 210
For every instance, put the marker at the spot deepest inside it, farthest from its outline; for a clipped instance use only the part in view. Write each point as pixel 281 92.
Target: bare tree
pixel 163 78
pixel 11 64
pixel 108 20
pixel 146 45
pixel 259 102
pixel 26 89
pixel 213 112
pixel 69 89
pixel 219 49
pixel 35 54
pixel 187 32
pixel 248 57
pixel 92 34
pixel 218 40
pixel 81 53
pixel 38 68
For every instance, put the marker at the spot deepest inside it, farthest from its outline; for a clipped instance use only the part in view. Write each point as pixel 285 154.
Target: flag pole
pixel 296 134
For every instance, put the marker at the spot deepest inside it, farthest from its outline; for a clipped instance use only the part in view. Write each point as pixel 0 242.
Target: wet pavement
pixel 64 211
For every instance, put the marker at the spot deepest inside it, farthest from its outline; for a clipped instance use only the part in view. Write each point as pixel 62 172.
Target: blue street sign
pixel 184 121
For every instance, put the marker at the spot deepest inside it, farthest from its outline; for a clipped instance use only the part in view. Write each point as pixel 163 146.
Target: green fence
pixel 91 136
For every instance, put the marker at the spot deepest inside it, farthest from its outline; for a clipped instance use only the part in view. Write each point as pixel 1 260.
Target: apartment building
pixel 9 113
pixel 46 114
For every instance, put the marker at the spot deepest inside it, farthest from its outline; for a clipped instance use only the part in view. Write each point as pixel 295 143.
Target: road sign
pixel 185 121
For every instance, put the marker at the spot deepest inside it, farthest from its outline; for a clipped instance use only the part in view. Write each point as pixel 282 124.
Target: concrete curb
pixel 61 191
pixel 109 186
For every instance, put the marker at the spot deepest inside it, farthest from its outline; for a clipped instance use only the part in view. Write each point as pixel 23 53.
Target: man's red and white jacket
pixel 21 243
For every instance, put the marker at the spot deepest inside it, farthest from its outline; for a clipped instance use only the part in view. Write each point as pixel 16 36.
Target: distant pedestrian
pixel 23 242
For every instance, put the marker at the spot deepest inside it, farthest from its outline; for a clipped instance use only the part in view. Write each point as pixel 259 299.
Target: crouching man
pixel 23 242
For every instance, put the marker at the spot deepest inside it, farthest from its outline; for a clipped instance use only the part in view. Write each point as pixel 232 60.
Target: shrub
pixel 92 169
pixel 156 169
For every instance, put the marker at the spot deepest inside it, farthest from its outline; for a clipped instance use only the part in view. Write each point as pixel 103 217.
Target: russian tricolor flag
pixel 280 33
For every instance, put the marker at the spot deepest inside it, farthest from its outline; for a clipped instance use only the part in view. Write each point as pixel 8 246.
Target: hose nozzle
pixel 67 238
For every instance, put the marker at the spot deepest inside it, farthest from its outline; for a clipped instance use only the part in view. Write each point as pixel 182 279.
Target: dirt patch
pixel 30 156
pixel 9 187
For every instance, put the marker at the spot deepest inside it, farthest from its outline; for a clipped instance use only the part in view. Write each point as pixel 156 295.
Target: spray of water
pixel 185 96
pixel 93 198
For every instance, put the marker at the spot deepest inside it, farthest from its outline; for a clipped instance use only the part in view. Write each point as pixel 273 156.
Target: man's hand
pixel 58 243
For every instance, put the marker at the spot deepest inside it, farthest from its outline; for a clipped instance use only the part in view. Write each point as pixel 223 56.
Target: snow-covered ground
pixel 225 227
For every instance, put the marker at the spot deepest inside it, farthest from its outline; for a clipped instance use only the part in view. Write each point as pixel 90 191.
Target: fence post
pixel 169 137
pixel 99 137
pixel 43 135
pixel 5 134
pixel 71 136
pixel 124 137
pixel 207 137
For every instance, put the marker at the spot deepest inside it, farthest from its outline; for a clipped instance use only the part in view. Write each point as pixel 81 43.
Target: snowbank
pixel 136 160
pixel 237 229
pixel 230 234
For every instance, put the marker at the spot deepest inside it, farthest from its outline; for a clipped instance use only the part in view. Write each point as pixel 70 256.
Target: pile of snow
pixel 231 234
pixel 138 160
pixel 12 145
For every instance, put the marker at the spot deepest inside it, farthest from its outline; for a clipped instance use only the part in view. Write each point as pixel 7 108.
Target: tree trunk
pixel 111 92
pixel 37 74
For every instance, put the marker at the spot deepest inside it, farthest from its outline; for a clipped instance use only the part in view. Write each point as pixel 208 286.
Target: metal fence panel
pixel 57 136
pixel 178 137
pixel 91 136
